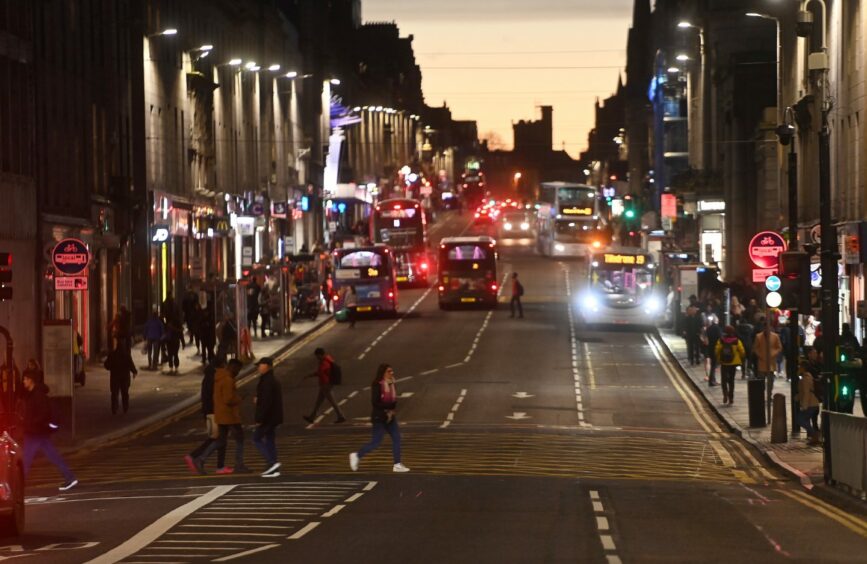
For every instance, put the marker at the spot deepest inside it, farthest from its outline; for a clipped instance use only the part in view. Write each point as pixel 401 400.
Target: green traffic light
pixel 630 214
pixel 842 357
pixel 845 390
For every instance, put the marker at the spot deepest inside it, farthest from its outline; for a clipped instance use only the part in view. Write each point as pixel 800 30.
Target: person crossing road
pixel 383 396
pixel 269 414
pixel 324 373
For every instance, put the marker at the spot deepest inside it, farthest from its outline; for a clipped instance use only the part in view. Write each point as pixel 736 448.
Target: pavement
pixel 156 397
pixel 796 457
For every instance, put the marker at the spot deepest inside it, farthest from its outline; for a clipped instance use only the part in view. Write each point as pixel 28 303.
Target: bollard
pixel 778 420
pixel 756 401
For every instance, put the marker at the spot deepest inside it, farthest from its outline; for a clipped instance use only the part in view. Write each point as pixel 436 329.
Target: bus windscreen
pixel 466 258
pixel 361 264
pixel 399 228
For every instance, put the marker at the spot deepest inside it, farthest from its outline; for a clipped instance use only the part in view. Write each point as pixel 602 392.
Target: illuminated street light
pixel 274 67
pixel 206 48
pixel 673 69
pixel 685 25
pixel 235 62
pixel 168 31
pixel 682 57
pixel 335 81
pixel 291 74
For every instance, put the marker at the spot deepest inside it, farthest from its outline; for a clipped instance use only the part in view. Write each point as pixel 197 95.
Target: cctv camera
pixel 785 133
pixel 805 23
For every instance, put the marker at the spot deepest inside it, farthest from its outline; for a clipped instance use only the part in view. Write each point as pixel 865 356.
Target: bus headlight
pixel 653 305
pixel 559 247
pixel 507 226
pixel 590 302
pixel 525 226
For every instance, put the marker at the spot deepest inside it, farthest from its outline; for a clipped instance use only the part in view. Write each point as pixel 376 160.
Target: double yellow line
pixel 851 522
pixel 705 419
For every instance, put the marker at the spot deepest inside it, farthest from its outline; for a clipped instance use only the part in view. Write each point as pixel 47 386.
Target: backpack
pixel 727 353
pixel 335 377
pixel 520 289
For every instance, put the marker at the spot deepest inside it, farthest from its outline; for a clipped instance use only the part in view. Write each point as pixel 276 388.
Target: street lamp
pixel 335 81
pixel 704 113
pixel 273 68
pixel 167 31
pixel 682 57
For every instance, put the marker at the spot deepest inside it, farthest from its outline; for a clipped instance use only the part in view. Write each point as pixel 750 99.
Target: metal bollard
pixel 778 420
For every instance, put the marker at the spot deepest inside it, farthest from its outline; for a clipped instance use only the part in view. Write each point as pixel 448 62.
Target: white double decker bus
pixel 621 288
pixel 568 222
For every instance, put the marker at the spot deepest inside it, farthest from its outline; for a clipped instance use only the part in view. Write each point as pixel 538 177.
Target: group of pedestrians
pixel 164 336
pixel 221 404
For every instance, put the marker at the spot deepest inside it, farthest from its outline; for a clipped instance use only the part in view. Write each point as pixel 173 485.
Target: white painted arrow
pixel 522 395
pixel 518 415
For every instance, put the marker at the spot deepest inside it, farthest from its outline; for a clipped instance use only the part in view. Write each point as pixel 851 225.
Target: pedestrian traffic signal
pixel 795 280
pixel 5 276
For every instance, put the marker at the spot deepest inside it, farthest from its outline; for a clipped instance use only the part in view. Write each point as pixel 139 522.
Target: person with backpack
pixel 383 395
pixel 730 353
pixel 329 374
pixel 517 292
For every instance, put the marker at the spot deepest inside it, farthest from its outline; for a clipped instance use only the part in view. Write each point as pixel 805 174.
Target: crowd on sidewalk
pixel 754 344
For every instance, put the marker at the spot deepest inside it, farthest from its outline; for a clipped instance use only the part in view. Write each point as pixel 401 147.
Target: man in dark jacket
pixel 207 335
pixel 745 332
pixel 120 365
pixel 714 334
pixel 211 428
pixel 269 414
pixel 692 334
pixel 37 430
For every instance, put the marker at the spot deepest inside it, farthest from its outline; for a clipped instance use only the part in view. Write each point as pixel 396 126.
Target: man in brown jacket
pixel 767 346
pixel 227 414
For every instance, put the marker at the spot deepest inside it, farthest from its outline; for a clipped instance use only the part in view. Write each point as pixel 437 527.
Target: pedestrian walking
pixel 253 292
pixel 120 366
pixel 692 334
pixel 207 335
pixel 324 372
pixel 745 332
pixel 38 428
pixel 517 292
pixel 712 335
pixel 153 335
pixel 269 414
pixel 174 338
pixel 194 323
pixel 383 396
pixel 265 310
pixel 766 347
pixel 729 353
pixel 227 416
pixel 350 302
pixel 212 431
pixel 808 404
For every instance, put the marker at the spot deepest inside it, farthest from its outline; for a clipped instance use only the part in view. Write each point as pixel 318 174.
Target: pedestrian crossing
pixel 591 454
pixel 246 520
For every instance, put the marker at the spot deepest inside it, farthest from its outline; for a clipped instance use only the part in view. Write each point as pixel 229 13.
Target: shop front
pixel 347 209
pixel 711 232
pixel 169 251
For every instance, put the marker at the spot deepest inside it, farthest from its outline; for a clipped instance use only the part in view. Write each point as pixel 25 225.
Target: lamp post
pixel 779 52
pixel 704 149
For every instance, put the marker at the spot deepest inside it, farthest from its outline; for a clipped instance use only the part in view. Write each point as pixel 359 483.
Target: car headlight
pixel 559 247
pixel 653 305
pixel 507 226
pixel 590 302
pixel 525 226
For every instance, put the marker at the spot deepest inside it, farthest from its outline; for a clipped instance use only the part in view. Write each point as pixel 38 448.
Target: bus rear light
pixel 390 295
pixel 477 214
pixel 335 297
pixel 441 288
pixel 493 287
pixel 424 266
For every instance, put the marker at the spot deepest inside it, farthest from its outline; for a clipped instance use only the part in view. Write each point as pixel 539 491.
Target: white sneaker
pixel 353 461
pixel 399 468
pixel 271 475
pixel 272 469
pixel 68 485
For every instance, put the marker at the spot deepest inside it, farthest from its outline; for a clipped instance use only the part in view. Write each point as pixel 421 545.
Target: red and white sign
pixel 669 206
pixel 70 283
pixel 765 249
pixel 762 274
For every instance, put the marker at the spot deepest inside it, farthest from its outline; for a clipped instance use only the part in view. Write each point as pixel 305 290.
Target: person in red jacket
pixel 323 372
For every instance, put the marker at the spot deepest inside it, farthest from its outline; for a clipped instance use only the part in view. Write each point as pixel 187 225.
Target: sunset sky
pixel 485 58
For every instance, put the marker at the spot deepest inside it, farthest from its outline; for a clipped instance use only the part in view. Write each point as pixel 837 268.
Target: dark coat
pixel 269 400
pixel 380 407
pixel 37 411
pixel 120 365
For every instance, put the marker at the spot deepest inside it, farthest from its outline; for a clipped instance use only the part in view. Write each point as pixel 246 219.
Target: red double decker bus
pixel 401 224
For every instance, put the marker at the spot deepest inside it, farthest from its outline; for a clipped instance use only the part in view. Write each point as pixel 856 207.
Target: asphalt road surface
pixel 529 440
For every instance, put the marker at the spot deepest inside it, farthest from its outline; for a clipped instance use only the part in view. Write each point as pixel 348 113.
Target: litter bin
pixel 756 401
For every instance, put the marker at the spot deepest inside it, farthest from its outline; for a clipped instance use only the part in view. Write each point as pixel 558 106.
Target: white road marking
pixel 602 523
pixel 604 527
pixel 594 494
pixel 598 507
pixel 457 405
pixel 159 527
pixel 246 553
pixel 353 394
pixel 333 511
pixel 353 497
pixel 426 372
pixel 396 323
pixel 479 334
pixel 369 486
pixel 607 542
pixel 304 530
pixel 573 341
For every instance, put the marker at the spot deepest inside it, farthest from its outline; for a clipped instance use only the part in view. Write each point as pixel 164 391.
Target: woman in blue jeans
pixel 383 396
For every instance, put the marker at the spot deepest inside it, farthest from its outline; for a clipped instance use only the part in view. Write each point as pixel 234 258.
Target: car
pixel 515 223
pixel 11 475
pixel 485 216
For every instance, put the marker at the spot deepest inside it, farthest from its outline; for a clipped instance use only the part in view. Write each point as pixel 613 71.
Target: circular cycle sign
pixel 70 257
pixel 765 249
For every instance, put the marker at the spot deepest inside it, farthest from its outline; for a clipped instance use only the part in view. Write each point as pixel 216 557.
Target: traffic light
pixel 628 207
pixel 5 276
pixel 795 280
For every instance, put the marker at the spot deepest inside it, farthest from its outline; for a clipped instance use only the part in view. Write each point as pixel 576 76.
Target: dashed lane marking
pixel 395 324
pixel 457 405
pixel 573 341
pixel 604 528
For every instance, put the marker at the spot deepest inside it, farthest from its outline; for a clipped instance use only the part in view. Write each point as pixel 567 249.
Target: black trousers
pixel 516 300
pixel 119 388
pixel 325 394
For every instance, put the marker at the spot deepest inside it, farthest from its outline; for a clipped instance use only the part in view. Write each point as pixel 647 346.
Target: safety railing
pixel 847 450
